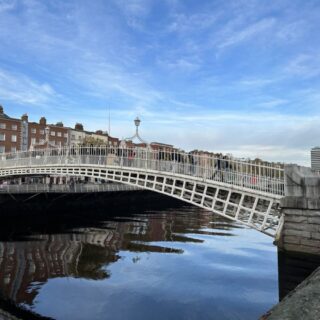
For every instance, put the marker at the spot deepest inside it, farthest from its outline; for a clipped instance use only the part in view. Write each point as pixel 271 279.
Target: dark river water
pixel 146 259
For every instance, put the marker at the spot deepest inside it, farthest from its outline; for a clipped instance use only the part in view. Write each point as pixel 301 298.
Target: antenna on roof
pixel 109 121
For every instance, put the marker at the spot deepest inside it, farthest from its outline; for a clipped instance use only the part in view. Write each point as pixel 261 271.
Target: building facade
pixel 23 135
pixel 10 133
pixel 315 158
pixel 41 134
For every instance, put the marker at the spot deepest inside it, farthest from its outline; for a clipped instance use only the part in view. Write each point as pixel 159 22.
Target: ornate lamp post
pixel 137 122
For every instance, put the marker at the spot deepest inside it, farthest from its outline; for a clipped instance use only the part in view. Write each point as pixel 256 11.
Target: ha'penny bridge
pixel 242 191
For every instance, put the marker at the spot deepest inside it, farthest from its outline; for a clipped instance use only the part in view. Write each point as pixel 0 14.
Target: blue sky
pixel 230 76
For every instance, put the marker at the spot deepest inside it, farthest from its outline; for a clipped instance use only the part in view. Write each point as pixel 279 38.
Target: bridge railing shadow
pixel 251 175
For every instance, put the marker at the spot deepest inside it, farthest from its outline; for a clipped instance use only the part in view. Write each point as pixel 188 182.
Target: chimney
pixel 78 127
pixel 43 121
pixel 59 124
pixel 1 109
pixel 24 117
pixel 99 132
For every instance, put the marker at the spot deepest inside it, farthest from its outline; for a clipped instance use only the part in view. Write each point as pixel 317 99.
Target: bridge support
pixel 301 210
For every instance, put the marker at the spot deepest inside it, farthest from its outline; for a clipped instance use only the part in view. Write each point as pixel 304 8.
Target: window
pixel 2 149
pixel 13 149
pixel 13 138
pixel 41 141
pixel 73 137
pixel 2 125
pixel 53 133
pixel 33 140
pixel 41 131
pixel 2 137
pixel 14 127
pixel 59 134
pixel 33 130
pixel 66 135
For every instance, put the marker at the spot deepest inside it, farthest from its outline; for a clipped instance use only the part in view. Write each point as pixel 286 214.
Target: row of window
pixel 52 133
pixel 42 141
pixel 3 137
pixel 59 134
pixel 14 139
pixel 7 126
pixel 3 149
pixel 14 127
pixel 34 130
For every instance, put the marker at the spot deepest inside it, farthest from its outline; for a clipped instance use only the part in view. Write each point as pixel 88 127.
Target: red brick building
pixel 20 134
pixel 42 134
pixel 10 133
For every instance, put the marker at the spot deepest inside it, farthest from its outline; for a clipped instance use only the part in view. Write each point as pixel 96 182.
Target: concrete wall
pixel 301 209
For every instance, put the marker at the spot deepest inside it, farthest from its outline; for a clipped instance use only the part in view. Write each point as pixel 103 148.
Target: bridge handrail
pixel 257 176
pixel 64 188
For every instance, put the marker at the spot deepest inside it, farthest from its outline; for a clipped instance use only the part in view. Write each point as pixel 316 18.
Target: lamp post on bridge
pixel 139 153
pixel 137 123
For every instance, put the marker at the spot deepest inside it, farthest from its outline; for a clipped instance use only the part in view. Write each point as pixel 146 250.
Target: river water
pixel 156 260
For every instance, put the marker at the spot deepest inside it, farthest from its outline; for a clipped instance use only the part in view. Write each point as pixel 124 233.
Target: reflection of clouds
pixel 162 257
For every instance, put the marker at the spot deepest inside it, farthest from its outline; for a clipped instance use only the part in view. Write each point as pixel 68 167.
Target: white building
pixel 315 158
pixel 76 137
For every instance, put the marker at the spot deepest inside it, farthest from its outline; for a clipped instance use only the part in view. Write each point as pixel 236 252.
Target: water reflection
pixel 293 269
pixel 161 261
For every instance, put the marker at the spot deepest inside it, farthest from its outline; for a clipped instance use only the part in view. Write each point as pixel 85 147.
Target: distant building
pixel 77 135
pixel 22 135
pixel 315 158
pixel 43 135
pixel 10 133
pixel 162 146
pixel 113 142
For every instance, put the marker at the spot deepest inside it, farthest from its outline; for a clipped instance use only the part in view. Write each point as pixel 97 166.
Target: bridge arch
pixel 230 193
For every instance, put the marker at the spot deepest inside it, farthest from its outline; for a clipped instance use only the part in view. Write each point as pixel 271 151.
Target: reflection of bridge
pixel 242 191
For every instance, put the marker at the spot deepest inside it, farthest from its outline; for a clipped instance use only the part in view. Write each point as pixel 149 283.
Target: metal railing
pixel 247 174
pixel 65 188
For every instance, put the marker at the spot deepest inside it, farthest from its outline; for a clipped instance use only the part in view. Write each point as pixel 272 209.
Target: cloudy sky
pixel 238 76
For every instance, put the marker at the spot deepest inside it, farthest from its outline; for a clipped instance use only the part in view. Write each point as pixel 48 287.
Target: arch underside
pixel 253 209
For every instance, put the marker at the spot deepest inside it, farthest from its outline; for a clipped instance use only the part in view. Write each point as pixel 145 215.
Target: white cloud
pixel 134 11
pixel 7 5
pixel 183 23
pixel 272 103
pixel 180 64
pixel 23 90
pixel 247 32
pixel 305 65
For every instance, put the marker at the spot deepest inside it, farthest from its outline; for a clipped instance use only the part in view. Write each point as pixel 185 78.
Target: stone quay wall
pixel 301 209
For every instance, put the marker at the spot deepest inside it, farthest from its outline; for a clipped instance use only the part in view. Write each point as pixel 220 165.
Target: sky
pixel 240 77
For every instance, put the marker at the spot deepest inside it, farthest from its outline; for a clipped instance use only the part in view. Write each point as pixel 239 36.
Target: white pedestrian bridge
pixel 243 191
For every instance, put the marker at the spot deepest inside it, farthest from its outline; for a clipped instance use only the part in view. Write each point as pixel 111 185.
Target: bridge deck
pixel 247 192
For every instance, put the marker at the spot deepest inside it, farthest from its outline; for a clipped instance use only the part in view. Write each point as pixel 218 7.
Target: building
pixel 10 133
pixel 162 147
pixel 22 135
pixel 113 142
pixel 101 137
pixel 315 158
pixel 77 135
pixel 43 135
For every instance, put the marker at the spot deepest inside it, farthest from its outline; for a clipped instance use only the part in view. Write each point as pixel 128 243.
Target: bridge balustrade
pixel 246 174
